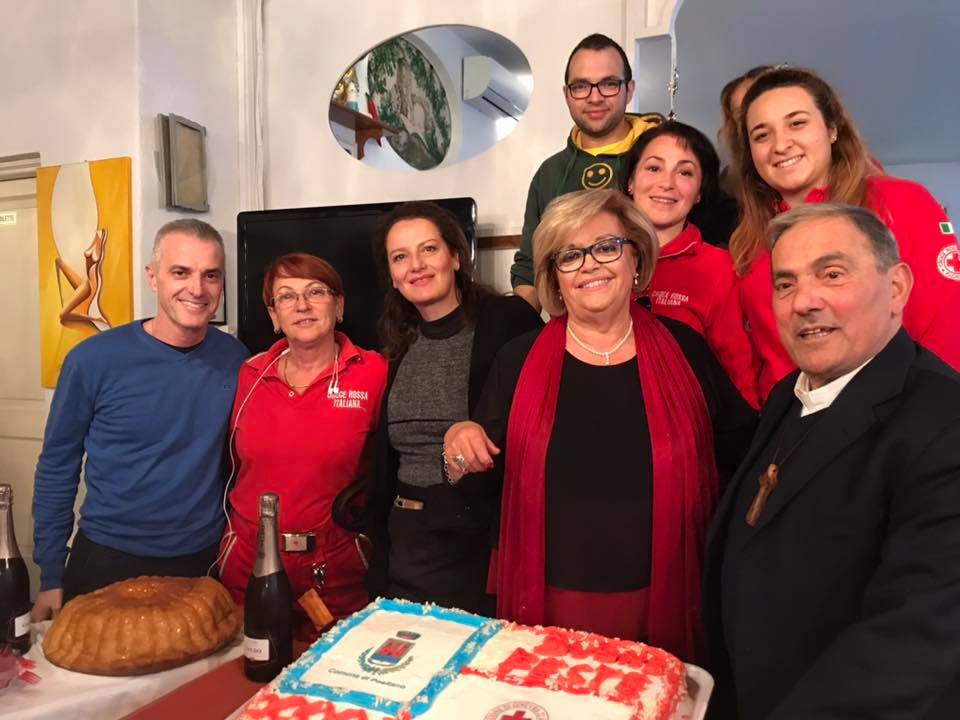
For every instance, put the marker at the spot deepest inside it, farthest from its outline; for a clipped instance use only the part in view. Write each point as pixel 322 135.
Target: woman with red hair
pixel 304 412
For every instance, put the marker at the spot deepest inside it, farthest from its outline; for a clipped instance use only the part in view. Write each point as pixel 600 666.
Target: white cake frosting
pixel 401 660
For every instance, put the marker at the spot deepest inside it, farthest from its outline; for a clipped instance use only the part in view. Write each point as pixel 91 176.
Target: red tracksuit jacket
pixel 927 245
pixel 695 283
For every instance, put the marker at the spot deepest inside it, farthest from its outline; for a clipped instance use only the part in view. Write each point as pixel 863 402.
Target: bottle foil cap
pixel 269 505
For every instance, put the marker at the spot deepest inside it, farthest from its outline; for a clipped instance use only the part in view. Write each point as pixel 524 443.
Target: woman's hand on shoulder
pixel 467 449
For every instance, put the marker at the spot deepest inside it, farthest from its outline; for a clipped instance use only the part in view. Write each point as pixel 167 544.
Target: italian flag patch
pixel 946 228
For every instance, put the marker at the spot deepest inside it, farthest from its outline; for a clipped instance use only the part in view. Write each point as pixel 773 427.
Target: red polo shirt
pixel 309 447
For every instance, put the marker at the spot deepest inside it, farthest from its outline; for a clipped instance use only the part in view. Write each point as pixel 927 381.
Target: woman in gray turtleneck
pixel 441 332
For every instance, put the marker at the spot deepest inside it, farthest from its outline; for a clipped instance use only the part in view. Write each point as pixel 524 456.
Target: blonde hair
pixel 565 215
pixel 850 163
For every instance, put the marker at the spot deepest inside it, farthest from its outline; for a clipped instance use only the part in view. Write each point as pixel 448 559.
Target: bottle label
pixel 21 625
pixel 256 648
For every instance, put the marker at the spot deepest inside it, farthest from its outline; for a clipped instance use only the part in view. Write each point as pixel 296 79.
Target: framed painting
pixel 84 235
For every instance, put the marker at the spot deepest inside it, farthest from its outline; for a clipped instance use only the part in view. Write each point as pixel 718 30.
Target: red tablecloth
pixel 212 696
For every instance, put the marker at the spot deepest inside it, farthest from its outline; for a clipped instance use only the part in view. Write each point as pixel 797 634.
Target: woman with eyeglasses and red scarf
pixel 608 427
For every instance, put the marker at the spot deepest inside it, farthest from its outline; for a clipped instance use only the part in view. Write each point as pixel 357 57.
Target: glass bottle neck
pixel 8 540
pixel 268 553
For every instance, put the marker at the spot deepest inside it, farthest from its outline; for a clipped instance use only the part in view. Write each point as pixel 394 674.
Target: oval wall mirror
pixel 430 98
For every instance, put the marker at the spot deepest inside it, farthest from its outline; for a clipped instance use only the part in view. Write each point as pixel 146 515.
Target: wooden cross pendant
pixel 768 481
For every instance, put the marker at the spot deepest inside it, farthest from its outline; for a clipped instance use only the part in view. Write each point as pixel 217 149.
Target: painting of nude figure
pixel 85 248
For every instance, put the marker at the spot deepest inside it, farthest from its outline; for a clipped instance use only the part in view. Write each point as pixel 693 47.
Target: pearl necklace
pixel 604 354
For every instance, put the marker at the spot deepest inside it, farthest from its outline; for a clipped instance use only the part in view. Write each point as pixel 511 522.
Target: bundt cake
pixel 142 625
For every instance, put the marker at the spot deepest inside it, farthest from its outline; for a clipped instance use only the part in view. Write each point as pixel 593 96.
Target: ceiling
pixel 897 69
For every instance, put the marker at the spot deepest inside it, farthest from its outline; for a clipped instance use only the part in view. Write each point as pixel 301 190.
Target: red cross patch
pixel 948 262
pixel 517 710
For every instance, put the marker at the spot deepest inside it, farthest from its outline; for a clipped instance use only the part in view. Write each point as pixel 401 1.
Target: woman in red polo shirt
pixel 798 144
pixel 304 412
pixel 671 170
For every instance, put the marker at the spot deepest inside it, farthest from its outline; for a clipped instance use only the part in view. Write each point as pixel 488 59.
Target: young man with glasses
pixel 143 409
pixel 598 86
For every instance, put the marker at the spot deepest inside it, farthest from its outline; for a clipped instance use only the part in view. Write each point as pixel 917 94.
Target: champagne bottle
pixel 14 582
pixel 267 607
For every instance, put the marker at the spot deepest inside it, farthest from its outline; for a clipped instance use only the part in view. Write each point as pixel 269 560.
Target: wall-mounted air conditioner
pixel 492 89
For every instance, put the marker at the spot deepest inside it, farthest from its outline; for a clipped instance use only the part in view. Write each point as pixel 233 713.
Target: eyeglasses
pixel 608 87
pixel 315 295
pixel 606 249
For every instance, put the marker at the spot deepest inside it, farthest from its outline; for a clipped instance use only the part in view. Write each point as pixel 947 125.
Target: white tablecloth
pixel 64 694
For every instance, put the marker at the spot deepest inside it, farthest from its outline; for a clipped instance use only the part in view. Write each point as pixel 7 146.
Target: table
pixel 212 696
pixel 65 694
pixel 216 694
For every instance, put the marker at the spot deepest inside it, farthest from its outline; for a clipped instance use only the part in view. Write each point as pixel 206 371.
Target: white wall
pixel 69 82
pixel 84 80
pixel 187 56
pixel 69 79
pixel 307 46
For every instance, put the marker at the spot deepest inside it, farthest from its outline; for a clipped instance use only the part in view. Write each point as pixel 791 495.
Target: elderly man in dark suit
pixel 833 563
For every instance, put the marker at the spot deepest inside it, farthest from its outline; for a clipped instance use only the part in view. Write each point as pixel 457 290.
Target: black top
pixel 445 327
pixel 733 423
pixel 599 492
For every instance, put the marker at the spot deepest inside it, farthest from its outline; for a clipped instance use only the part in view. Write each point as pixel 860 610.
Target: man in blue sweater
pixel 148 405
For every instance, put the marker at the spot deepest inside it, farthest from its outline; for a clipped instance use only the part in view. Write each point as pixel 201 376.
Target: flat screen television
pixel 342 235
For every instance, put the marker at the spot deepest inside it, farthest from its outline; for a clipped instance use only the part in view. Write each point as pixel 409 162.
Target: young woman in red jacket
pixel 798 144
pixel 672 172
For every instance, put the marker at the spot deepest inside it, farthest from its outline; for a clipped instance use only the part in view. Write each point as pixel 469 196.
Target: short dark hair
pixel 300 265
pixel 689 138
pixel 886 252
pixel 599 42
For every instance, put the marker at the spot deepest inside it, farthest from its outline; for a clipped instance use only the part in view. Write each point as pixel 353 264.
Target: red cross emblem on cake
pixel 517 710
pixel 948 262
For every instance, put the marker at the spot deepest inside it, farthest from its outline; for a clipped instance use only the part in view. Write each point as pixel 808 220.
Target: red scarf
pixel 685 486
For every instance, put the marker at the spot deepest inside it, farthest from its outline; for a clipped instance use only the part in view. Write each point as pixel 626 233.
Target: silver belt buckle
pixel 298 542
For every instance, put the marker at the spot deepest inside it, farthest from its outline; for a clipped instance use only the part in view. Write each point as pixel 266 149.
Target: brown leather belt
pixel 407 504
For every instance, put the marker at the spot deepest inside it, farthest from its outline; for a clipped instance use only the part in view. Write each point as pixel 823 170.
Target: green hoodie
pixel 572 169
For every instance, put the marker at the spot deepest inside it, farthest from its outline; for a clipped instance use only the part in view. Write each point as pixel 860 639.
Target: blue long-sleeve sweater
pixel 152 423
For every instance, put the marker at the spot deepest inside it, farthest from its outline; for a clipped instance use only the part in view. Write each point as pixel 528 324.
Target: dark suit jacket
pixel 848 590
